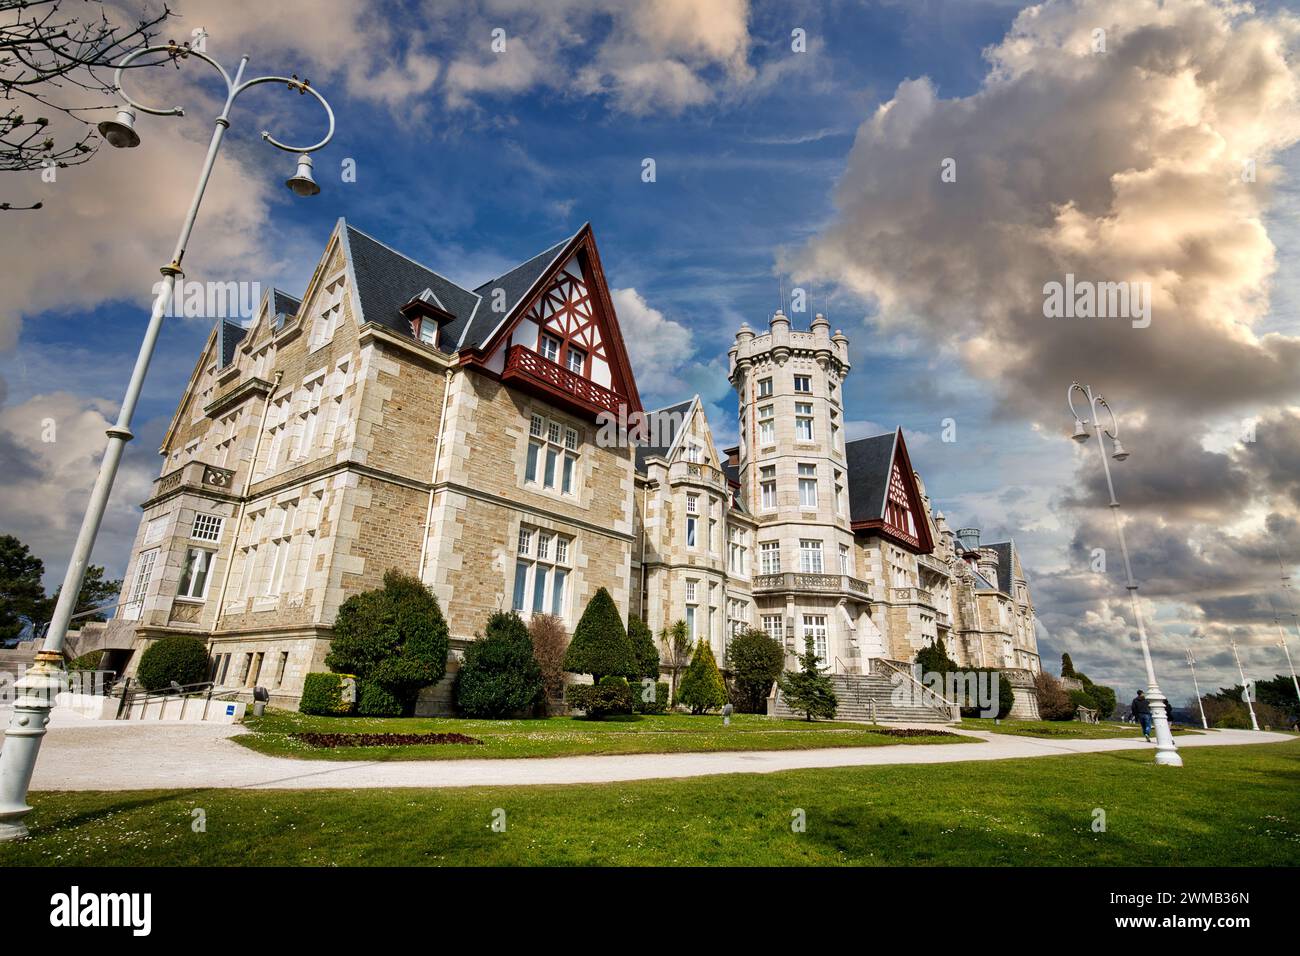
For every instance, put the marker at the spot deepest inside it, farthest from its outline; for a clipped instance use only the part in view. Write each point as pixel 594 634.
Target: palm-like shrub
pixel 499 675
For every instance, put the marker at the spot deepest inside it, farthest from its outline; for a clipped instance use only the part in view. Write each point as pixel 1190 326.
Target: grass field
pixel 1059 728
pixel 1228 806
pixel 564 736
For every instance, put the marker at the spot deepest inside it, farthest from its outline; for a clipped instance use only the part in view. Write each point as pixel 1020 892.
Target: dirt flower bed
pixel 381 740
pixel 912 732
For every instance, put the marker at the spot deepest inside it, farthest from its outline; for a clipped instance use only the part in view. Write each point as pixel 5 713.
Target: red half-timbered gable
pixel 902 519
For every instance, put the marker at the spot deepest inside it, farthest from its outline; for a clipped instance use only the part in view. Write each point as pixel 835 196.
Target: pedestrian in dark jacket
pixel 1141 708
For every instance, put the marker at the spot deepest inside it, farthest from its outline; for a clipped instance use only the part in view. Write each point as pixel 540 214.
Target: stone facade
pixel 391 419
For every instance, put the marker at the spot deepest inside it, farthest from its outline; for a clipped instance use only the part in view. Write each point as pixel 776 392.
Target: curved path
pixel 118 756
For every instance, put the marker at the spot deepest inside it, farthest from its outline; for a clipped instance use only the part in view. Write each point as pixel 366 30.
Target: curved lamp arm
pixel 1113 432
pixel 302 87
pixel 1069 400
pixel 175 51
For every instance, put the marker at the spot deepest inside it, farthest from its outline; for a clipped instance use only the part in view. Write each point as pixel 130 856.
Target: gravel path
pixel 110 755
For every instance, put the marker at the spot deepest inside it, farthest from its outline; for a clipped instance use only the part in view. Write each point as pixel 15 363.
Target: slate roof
pixel 676 414
pixel 229 335
pixel 284 304
pixel 515 284
pixel 869 460
pixel 1006 552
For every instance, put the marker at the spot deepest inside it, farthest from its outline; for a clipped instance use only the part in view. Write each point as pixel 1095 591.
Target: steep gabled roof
pixel 386 280
pixel 872 464
pixel 282 303
pixel 868 460
pixel 514 286
pixel 665 425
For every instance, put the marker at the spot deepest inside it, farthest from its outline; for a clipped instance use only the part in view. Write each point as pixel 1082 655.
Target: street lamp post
pixel 35 692
pixel 1286 589
pixel 1191 662
pixel 1245 691
pixel 1166 751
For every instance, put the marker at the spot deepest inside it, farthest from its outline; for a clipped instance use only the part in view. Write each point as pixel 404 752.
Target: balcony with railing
pixel 803 582
pixel 690 472
pixel 554 383
pixel 922 596
pixel 194 475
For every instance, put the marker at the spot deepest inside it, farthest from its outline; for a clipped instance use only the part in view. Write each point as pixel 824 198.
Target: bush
pixel 394 636
pixel 88 661
pixel 658 704
pixel 701 688
pixel 644 651
pixel 1081 698
pixel 550 640
pixel 376 700
pixel 612 695
pixel 809 689
pixel 755 661
pixel 934 659
pixel 176 657
pixel 1053 702
pixel 1103 698
pixel 600 645
pixel 499 675
pixel 322 693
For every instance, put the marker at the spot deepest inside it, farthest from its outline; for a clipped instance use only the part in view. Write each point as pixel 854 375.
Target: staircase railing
pixel 131 696
pixel 928 695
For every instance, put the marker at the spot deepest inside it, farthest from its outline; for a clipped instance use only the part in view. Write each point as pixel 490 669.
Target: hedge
pixel 176 657
pixel 376 700
pixel 322 693
pixel 658 705
pixel 612 695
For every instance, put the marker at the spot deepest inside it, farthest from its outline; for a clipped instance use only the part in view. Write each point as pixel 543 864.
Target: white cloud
pixel 659 348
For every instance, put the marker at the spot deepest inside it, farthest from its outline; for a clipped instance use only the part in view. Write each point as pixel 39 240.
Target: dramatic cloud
pixel 1113 141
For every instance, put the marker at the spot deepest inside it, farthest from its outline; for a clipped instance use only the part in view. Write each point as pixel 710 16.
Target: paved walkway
pixel 109 755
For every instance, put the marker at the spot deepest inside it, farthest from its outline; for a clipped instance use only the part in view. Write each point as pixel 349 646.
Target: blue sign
pixel 230 710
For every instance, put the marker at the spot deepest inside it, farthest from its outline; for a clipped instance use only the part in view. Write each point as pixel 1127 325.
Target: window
pixel 846 560
pixel 839 494
pixel 692 510
pixel 803 423
pixel 245 668
pixel 576 360
pixel 808 486
pixel 541 572
pixel 207 528
pixel 329 316
pixel 737 617
pixel 256 670
pixel 227 435
pixel 691 587
pixel 810 556
pixel 767 485
pixel 770 557
pixel 550 347
pixel 279 671
pixel 774 627
pixel 553 451
pixel 767 425
pixel 428 335
pixel 194 578
pixel 814 626
pixel 690 622
pixel 803 383
pixel 765 387
pixel 277 555
pixel 738 552
pixel 140 586
pixel 694 453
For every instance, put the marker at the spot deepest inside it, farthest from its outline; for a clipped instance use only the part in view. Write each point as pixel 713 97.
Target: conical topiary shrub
pixel 702 689
pixel 600 646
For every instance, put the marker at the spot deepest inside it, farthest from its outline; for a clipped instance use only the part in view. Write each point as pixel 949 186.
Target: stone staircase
pixel 15 660
pixel 869 697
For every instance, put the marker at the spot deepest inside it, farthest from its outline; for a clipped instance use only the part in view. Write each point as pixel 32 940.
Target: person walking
pixel 1141 708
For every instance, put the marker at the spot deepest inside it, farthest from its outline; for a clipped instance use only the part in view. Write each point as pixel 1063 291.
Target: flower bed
pixel 381 740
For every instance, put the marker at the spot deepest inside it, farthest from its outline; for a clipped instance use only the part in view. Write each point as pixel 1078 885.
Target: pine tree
pixel 600 645
pixel 809 689
pixel 1067 666
pixel 702 689
pixel 643 647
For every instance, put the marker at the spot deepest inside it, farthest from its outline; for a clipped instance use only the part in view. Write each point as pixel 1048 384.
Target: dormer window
pixel 427 331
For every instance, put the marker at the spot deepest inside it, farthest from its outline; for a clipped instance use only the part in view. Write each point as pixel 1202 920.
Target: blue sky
pixel 471 172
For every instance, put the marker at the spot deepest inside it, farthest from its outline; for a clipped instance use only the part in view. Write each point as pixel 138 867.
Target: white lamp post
pixel 1166 751
pixel 1245 691
pixel 36 690
pixel 1191 662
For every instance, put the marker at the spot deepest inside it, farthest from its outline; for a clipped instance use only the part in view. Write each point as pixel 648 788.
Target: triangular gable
pixel 570 301
pixel 206 357
pixel 901 515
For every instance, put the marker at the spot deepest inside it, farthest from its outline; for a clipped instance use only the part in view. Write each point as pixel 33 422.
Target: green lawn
pixel 1060 728
pixel 564 736
pixel 1228 806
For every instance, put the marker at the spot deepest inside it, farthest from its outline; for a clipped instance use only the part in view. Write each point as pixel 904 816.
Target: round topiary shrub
pixel 176 657
pixel 323 694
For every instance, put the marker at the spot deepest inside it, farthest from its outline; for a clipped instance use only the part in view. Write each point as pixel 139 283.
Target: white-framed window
pixel 839 494
pixel 541 572
pixel 810 556
pixel 694 453
pixel 549 347
pixel 554 450
pixel 767 486
pixel 803 383
pixel 329 316
pixel 576 360
pixel 769 553
pixel 765 387
pixel 194 576
pixel 428 332
pixel 737 617
pixel 140 586
pixel 738 552
pixel 690 622
pixel 807 485
pixel 691 588
pixel 692 519
pixel 774 627
pixel 846 560
pixel 814 626
pixel 767 424
pixel 803 423
pixel 207 527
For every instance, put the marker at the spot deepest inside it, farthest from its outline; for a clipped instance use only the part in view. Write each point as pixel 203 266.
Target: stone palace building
pixel 394 419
